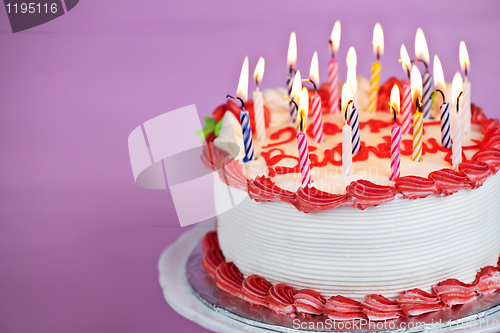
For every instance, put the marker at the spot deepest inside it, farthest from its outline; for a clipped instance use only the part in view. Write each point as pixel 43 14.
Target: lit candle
pixel 440 85
pixel 395 135
pixel 418 121
pixel 295 94
pixel 456 93
pixel 291 61
pixel 316 100
pixel 352 62
pixel 258 101
pixel 346 133
pixel 422 53
pixel 333 71
pixel 378 49
pixel 466 100
pixel 305 169
pixel 242 93
pixel 405 61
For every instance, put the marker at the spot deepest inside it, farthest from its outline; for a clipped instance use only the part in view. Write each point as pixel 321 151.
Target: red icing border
pixel 285 300
pixel 362 193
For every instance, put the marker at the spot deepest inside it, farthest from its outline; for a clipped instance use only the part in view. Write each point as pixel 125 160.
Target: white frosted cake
pixel 360 245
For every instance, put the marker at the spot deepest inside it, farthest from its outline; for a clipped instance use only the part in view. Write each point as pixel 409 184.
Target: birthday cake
pixel 361 245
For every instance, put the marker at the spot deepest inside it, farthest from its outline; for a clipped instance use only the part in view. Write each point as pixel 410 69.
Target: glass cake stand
pixel 193 294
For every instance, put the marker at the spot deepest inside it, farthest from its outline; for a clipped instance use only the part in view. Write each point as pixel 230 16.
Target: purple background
pixel 79 241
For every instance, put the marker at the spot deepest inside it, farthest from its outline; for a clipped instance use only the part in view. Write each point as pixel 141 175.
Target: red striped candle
pixel 333 86
pixel 395 151
pixel 317 118
pixel 305 169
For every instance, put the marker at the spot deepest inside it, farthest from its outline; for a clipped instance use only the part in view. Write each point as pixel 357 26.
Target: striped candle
pixel 427 95
pixel 333 86
pixel 374 86
pixel 247 135
pixel 465 107
pixel 317 118
pixel 289 85
pixel 457 142
pixel 406 107
pixel 305 169
pixel 445 125
pixel 395 151
pixel 418 128
pixel 354 122
pixel 258 105
pixel 346 150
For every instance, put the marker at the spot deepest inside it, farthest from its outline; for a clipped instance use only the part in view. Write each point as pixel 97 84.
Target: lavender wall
pixel 79 242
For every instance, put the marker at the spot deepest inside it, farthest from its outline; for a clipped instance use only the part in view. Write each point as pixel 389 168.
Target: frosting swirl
pixel 255 290
pixel 309 302
pixel 212 258
pixel 229 278
pixel 280 299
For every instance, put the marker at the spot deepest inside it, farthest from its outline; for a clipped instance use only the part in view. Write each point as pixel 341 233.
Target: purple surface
pixel 79 242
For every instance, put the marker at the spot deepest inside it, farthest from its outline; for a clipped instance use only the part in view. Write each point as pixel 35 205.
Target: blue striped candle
pixel 354 122
pixel 445 125
pixel 427 95
pixel 247 135
pixel 289 85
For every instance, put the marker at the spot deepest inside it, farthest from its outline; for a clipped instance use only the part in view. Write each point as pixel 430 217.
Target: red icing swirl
pixel 309 302
pixel 377 307
pixel 413 187
pixel 255 290
pixel 210 241
pixel 264 189
pixel 453 291
pixel 229 278
pixel 343 308
pixel 212 258
pixel 490 157
pixel 366 193
pixel 280 299
pixel 449 181
pixel 310 199
pixel 475 171
pixel 487 280
pixel 231 173
pixel 415 302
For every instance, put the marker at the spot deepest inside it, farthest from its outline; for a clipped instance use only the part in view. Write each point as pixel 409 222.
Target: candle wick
pixel 418 105
pixel 408 71
pixel 314 84
pixel 378 55
pixel 347 108
pixel 331 48
pixel 420 60
pixel 242 103
pixel 292 101
pixel 442 94
pixel 458 100
pixel 465 71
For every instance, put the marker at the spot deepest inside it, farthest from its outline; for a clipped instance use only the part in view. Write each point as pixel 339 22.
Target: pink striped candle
pixel 317 118
pixel 406 106
pixel 395 151
pixel 305 169
pixel 333 86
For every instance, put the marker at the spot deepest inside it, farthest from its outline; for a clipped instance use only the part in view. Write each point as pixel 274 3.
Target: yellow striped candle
pixel 378 49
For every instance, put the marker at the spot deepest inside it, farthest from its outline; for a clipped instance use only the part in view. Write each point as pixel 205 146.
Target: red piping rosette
pixel 343 308
pixel 211 260
pixel 453 291
pixel 280 299
pixel 449 181
pixel 490 157
pixel 377 307
pixel 309 302
pixel 231 173
pixel 415 302
pixel 491 139
pixel 310 199
pixel 487 280
pixel 366 193
pixel 264 189
pixel 210 241
pixel 255 290
pixel 229 278
pixel 475 171
pixel 413 187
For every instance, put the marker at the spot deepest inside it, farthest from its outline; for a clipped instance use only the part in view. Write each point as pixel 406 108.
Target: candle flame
pixel 258 73
pixel 464 58
pixel 405 58
pixel 378 40
pixel 346 96
pixel 351 78
pixel 421 50
pixel 351 57
pixel 456 86
pixel 395 98
pixel 335 37
pixel 242 90
pixel 296 87
pixel 303 109
pixel 292 50
pixel 439 82
pixel 314 71
pixel 416 83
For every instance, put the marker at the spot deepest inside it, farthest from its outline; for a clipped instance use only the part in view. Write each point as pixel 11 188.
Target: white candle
pixel 346 133
pixel 456 134
pixel 258 101
pixel 466 100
